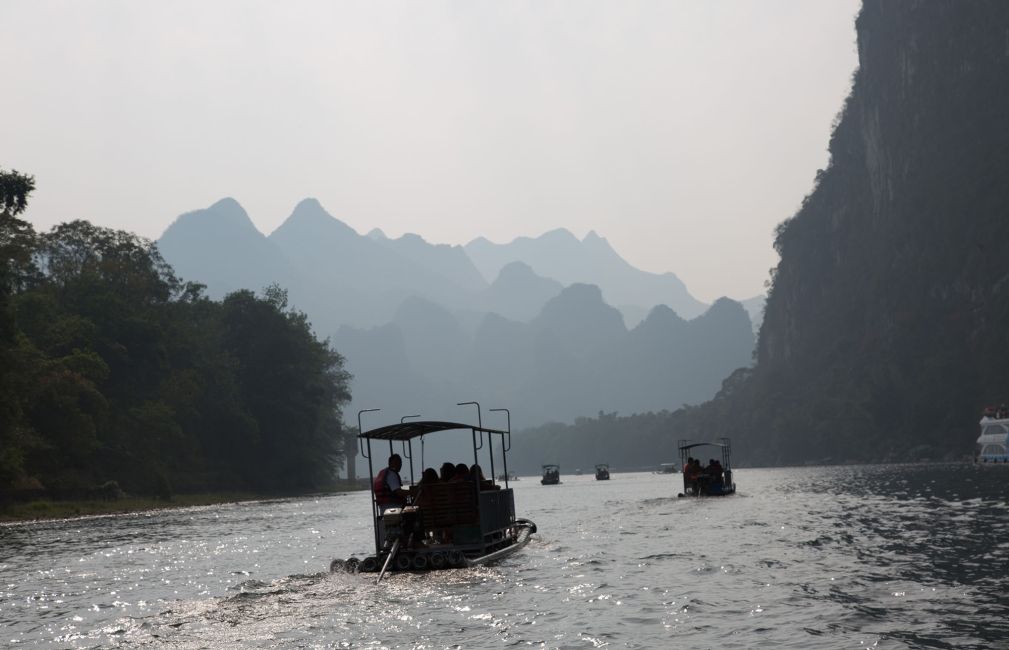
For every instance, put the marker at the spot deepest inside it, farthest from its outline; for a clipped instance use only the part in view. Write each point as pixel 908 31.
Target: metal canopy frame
pixel 411 430
pixel 701 444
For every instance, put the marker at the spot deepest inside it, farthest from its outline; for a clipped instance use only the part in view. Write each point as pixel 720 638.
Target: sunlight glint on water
pixel 883 556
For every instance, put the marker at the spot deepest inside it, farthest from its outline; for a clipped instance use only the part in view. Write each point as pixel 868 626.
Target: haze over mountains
pixel 531 325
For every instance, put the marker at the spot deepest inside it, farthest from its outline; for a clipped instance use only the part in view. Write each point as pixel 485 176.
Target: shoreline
pixel 38 510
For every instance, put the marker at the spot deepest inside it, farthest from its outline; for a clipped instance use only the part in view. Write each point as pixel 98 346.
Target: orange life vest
pixel 383 495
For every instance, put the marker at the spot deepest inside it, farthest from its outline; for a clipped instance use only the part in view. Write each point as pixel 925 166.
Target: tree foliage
pixel 116 370
pixel 15 254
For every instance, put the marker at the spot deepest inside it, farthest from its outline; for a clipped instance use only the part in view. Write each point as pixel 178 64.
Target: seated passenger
pixel 429 476
pixel 476 475
pixel 697 475
pixel 388 487
pixel 461 472
pixel 715 472
pixel 690 475
pixel 447 471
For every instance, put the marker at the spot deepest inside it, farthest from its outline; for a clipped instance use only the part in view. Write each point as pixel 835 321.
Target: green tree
pixel 116 370
pixel 294 386
pixel 16 243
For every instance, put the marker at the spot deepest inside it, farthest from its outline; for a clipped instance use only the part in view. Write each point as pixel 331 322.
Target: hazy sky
pixel 681 131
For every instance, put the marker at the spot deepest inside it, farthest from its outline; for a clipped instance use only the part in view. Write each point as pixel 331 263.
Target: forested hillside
pixel 885 329
pixel 118 376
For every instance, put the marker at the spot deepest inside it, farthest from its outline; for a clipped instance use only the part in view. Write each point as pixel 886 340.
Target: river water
pixel 908 556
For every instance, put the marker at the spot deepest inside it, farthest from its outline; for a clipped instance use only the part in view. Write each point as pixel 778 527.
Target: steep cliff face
pixel 887 326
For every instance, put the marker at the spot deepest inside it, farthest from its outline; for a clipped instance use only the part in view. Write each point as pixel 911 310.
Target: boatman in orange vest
pixel 389 492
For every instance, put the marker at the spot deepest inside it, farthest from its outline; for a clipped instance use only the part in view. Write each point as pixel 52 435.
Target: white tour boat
pixel 993 443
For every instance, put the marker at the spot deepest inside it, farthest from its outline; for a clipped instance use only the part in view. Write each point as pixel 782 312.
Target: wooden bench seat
pixel 444 505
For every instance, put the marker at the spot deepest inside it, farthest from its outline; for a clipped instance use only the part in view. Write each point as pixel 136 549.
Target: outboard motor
pixel 402 524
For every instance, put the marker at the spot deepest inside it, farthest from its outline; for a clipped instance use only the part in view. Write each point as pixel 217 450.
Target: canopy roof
pixel 551 465
pixel 701 444
pixel 410 430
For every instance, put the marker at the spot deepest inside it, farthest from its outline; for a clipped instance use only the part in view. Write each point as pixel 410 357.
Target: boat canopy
pixel 701 444
pixel 411 430
pixel 994 431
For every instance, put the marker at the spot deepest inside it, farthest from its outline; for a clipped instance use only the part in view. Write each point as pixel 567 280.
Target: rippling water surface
pixel 912 556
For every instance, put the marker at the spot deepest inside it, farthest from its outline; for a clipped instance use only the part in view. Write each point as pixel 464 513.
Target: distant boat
pixel 666 468
pixel 715 480
pixel 602 472
pixel 511 477
pixel 551 475
pixel 578 472
pixel 992 445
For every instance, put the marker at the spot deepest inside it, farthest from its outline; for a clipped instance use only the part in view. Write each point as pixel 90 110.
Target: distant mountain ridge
pixel 330 271
pixel 194 242
pixel 559 255
pixel 419 324
pixel 313 252
pixel 518 293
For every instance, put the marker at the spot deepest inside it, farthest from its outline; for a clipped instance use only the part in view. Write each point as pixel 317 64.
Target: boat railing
pixel 497 512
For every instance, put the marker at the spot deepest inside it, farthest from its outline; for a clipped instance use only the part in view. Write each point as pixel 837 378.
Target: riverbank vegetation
pixel 39 509
pixel 47 509
pixel 119 378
